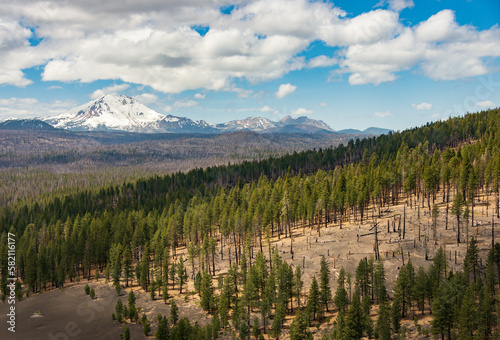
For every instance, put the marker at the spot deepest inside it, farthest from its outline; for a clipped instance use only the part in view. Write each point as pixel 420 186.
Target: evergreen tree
pixel 164 293
pixel 341 298
pixel 467 315
pixel 314 302
pixel 383 328
pixel 297 284
pixel 207 293
pixel 119 310
pixel 355 319
pixel 146 327
pixel 181 274
pixel 131 305
pixel 379 282
pixel 471 262
pixel 163 330
pixel 145 264
pixel 92 293
pixel 174 312
pixel 299 329
pixel 279 318
pixel 324 286
pixel 420 288
pixel 127 264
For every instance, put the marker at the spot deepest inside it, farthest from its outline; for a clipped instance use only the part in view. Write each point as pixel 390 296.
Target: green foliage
pixel 207 293
pixel 355 319
pixel 314 302
pixel 341 299
pixel 174 312
pixel 324 283
pixel 92 293
pixel 146 326
pixel 119 310
pixel 86 289
pixel 299 329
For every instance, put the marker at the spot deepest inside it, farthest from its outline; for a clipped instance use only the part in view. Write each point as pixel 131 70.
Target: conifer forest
pixel 395 236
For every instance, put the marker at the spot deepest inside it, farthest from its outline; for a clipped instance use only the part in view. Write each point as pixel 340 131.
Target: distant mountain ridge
pixel 25 124
pixel 369 131
pixel 122 113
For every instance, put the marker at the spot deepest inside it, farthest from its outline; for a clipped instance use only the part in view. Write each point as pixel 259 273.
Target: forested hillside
pixel 142 231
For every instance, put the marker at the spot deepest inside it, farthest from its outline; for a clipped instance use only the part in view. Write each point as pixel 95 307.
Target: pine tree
pixel 324 286
pixel 341 299
pixel 355 320
pixel 297 284
pixel 163 330
pixel 145 264
pixel 92 293
pixel 181 274
pixel 420 288
pixel 146 327
pixel 467 322
pixel 174 312
pixel 299 329
pixel 457 211
pixel 207 293
pixel 119 310
pixel 471 261
pixel 314 302
pixel 379 282
pixel 131 305
pixel 127 264
pixel 164 292
pixel 383 329
pixel 279 318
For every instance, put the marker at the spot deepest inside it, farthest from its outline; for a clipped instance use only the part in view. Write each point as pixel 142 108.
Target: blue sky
pixel 352 64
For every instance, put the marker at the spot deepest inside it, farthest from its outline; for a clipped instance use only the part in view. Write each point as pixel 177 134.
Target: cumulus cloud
pixel 199 96
pixel 302 111
pixel 266 109
pixel 322 61
pixel 485 104
pixel 147 98
pixel 114 89
pixel 422 106
pixel 155 43
pixel 382 114
pixel 185 103
pixel 284 90
pixel 32 108
pixel 399 5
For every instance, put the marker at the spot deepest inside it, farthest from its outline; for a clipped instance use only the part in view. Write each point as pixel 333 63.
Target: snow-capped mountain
pixel 123 113
pixel 256 124
pixel 302 125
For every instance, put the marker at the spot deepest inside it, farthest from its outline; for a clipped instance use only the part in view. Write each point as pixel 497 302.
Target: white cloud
pixel 114 89
pixel 284 90
pixel 399 5
pixel 167 108
pixel 422 106
pixel 199 96
pixel 322 104
pixel 185 103
pixel 266 109
pixel 151 43
pixel 54 87
pixel 302 111
pixel 382 114
pixel 322 61
pixel 485 104
pixel 31 108
pixel 147 98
